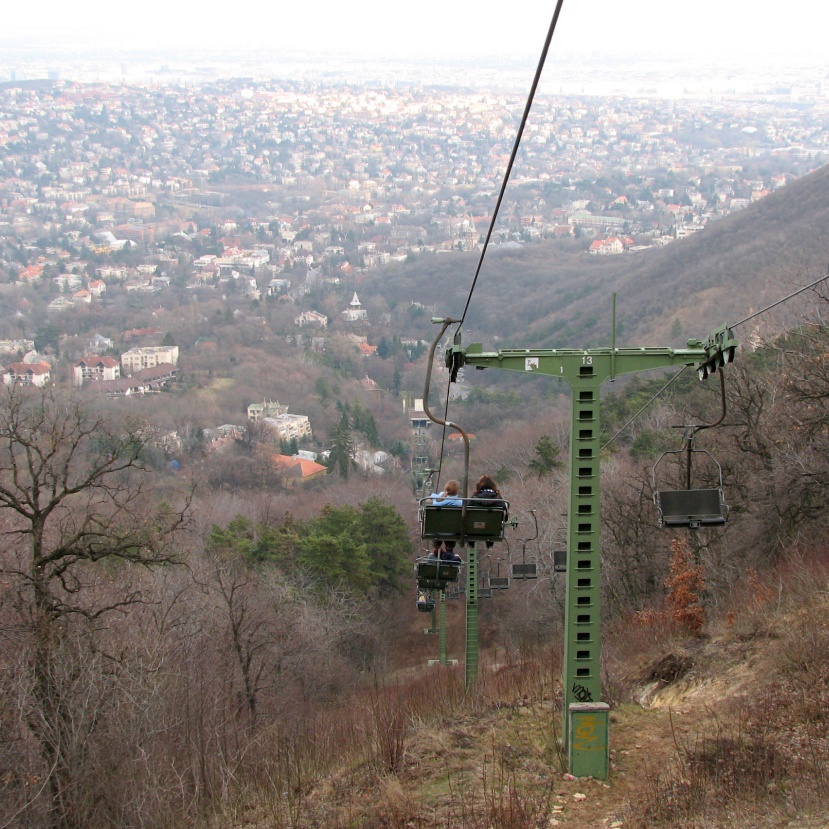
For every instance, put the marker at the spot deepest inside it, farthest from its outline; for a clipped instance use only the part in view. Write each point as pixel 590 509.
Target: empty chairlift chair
pixel 690 507
pixel 526 569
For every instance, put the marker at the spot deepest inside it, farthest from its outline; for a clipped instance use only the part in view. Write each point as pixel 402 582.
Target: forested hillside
pixel 553 297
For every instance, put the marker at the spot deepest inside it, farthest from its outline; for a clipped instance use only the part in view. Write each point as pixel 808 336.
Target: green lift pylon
pixel 585 716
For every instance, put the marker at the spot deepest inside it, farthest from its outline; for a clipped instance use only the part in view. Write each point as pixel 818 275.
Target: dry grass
pixel 735 735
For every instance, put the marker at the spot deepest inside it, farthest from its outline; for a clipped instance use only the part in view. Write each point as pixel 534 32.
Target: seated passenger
pixel 444 550
pixel 487 494
pixel 449 497
pixel 425 603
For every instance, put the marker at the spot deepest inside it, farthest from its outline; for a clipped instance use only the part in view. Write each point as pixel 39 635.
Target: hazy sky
pixel 431 27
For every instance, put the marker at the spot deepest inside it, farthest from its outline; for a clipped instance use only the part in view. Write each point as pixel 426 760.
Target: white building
pixel 28 374
pixel 290 426
pixel 313 318
pixel 355 310
pixel 148 357
pixel 88 369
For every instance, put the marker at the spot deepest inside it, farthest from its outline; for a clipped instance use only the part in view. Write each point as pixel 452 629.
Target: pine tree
pixel 341 456
pixel 546 457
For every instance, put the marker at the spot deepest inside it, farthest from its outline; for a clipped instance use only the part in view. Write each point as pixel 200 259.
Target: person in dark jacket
pixel 487 494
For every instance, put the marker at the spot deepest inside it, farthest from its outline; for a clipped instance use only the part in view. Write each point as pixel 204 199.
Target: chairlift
pixel 425 603
pixel 468 523
pixel 526 569
pixel 692 507
pixel 435 573
pixel 494 582
pixel 498 582
pixel 560 550
pixel 560 561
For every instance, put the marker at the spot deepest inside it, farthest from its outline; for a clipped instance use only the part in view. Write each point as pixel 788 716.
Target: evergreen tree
pixel 341 456
pixel 546 457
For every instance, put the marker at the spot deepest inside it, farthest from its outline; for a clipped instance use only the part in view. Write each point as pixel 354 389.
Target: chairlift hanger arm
pixel 445 323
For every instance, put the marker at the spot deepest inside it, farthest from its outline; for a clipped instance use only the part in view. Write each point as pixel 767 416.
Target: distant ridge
pixel 737 264
pixel 546 296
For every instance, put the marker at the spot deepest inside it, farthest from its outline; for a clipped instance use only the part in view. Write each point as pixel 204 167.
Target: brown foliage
pixel 685 585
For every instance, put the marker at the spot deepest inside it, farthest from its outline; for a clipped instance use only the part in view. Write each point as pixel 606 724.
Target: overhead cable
pixel 514 153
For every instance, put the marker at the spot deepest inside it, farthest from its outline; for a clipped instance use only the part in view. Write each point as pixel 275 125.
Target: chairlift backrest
pixel 559 561
pixel 472 523
pixel 434 573
pixel 525 571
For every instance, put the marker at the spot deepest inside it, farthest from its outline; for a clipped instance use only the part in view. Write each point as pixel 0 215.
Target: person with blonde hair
pixel 447 498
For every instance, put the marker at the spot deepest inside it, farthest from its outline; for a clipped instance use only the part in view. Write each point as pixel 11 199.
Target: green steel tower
pixel 586 717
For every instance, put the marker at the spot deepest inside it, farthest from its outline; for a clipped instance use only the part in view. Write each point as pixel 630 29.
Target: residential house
pixel 68 281
pixel 28 374
pixel 278 287
pixel 60 303
pixel 143 381
pixel 297 471
pixel 312 318
pixel 606 247
pixel 13 346
pixel 30 273
pixel 88 369
pixel 99 343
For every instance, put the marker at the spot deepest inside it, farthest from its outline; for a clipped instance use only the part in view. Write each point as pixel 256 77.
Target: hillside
pixel 725 729
pixel 552 296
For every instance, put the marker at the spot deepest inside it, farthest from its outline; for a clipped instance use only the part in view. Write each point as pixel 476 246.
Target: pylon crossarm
pixel 571 363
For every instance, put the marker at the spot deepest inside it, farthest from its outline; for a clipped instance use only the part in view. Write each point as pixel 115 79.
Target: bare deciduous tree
pixel 72 499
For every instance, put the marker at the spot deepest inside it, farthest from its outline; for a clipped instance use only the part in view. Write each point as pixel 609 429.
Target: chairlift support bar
pixel 586 370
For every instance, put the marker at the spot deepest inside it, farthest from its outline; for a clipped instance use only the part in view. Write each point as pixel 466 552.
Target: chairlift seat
pixel 691 508
pixel 525 571
pixel 435 574
pixel 499 582
pixel 452 523
pixel 559 561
